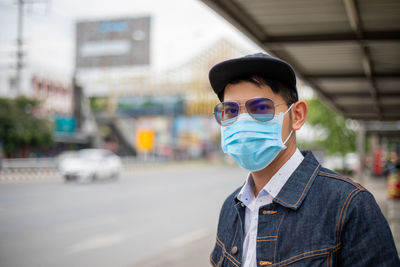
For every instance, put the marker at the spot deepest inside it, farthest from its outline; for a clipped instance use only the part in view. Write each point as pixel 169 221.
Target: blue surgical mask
pixel 254 144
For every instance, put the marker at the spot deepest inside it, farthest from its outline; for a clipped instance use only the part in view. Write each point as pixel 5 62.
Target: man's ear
pixel 299 114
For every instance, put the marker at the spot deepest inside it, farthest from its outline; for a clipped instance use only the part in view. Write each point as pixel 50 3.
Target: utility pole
pixel 20 42
pixel 20 53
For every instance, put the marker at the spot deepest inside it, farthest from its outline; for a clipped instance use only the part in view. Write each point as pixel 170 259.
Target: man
pixel 290 211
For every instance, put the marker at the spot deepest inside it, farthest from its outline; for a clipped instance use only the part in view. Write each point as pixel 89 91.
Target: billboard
pixel 150 105
pixel 64 124
pixel 113 43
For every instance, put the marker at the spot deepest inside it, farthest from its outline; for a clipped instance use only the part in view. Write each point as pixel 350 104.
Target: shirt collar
pixel 278 180
pixel 246 194
pixel 275 184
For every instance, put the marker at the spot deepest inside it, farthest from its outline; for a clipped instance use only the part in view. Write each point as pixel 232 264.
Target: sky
pixel 180 29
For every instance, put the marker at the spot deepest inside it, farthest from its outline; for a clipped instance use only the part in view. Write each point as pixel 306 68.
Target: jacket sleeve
pixel 365 236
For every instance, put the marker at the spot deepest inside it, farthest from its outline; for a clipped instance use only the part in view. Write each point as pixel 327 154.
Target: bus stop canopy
pixel 346 50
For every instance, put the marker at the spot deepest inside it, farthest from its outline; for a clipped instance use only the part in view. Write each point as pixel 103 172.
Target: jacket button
pixel 234 250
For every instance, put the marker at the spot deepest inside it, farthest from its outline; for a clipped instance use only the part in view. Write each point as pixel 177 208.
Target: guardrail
pixel 21 163
pixel 26 169
pixel 23 169
pixel 47 168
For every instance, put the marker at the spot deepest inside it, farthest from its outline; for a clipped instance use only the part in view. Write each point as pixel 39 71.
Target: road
pixel 144 214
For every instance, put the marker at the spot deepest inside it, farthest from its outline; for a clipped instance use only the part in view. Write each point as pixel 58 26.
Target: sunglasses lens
pixel 226 112
pixel 261 109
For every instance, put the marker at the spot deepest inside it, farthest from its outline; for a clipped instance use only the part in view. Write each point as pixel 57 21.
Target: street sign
pixel 145 140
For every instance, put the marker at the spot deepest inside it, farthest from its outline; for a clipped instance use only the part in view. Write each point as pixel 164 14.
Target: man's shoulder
pixel 231 200
pixel 328 180
pixel 334 177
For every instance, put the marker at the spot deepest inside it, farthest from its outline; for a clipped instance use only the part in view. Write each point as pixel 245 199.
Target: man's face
pixel 243 91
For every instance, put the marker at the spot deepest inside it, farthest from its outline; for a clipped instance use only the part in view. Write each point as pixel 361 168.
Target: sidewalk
pixel 196 254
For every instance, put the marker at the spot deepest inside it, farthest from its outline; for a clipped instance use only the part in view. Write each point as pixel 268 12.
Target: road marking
pixel 98 241
pixel 190 237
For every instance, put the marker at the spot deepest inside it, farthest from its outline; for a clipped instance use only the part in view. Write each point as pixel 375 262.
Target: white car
pixel 88 165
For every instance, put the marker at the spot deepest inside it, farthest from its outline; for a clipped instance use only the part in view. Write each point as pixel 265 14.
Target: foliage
pixel 20 129
pixel 338 137
pixel 98 104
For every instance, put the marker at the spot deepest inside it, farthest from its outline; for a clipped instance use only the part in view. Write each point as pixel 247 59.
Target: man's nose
pixel 242 109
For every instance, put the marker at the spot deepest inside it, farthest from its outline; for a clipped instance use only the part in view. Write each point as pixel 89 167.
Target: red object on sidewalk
pixel 378 161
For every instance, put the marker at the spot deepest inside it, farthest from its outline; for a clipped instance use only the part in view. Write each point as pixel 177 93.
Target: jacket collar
pixel 296 188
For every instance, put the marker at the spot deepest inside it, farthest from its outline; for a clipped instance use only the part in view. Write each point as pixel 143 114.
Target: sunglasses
pixel 260 109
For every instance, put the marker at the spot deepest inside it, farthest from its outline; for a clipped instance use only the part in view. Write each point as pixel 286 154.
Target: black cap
pixel 258 64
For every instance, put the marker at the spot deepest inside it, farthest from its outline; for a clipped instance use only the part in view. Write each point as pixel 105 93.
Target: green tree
pixel 337 137
pixel 20 129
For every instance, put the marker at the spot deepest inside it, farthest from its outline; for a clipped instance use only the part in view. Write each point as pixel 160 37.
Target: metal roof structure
pixel 346 50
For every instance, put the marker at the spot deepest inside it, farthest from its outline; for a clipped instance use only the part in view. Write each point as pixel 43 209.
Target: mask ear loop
pixel 290 107
pixel 291 131
pixel 290 134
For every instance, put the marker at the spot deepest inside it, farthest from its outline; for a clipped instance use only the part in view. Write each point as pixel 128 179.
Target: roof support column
pixel 361 152
pixel 355 24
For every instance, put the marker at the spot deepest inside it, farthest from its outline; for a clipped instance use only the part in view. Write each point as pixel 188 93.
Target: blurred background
pixel 109 152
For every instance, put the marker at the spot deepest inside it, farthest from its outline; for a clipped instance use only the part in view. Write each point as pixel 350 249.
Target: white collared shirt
pixel 265 197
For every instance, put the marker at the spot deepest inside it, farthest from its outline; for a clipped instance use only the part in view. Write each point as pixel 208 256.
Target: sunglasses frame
pixel 247 109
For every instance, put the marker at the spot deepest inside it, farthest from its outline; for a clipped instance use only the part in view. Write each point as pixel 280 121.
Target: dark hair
pixel 288 95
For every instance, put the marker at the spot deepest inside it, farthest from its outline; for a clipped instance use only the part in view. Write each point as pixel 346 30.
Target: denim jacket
pixel 319 218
